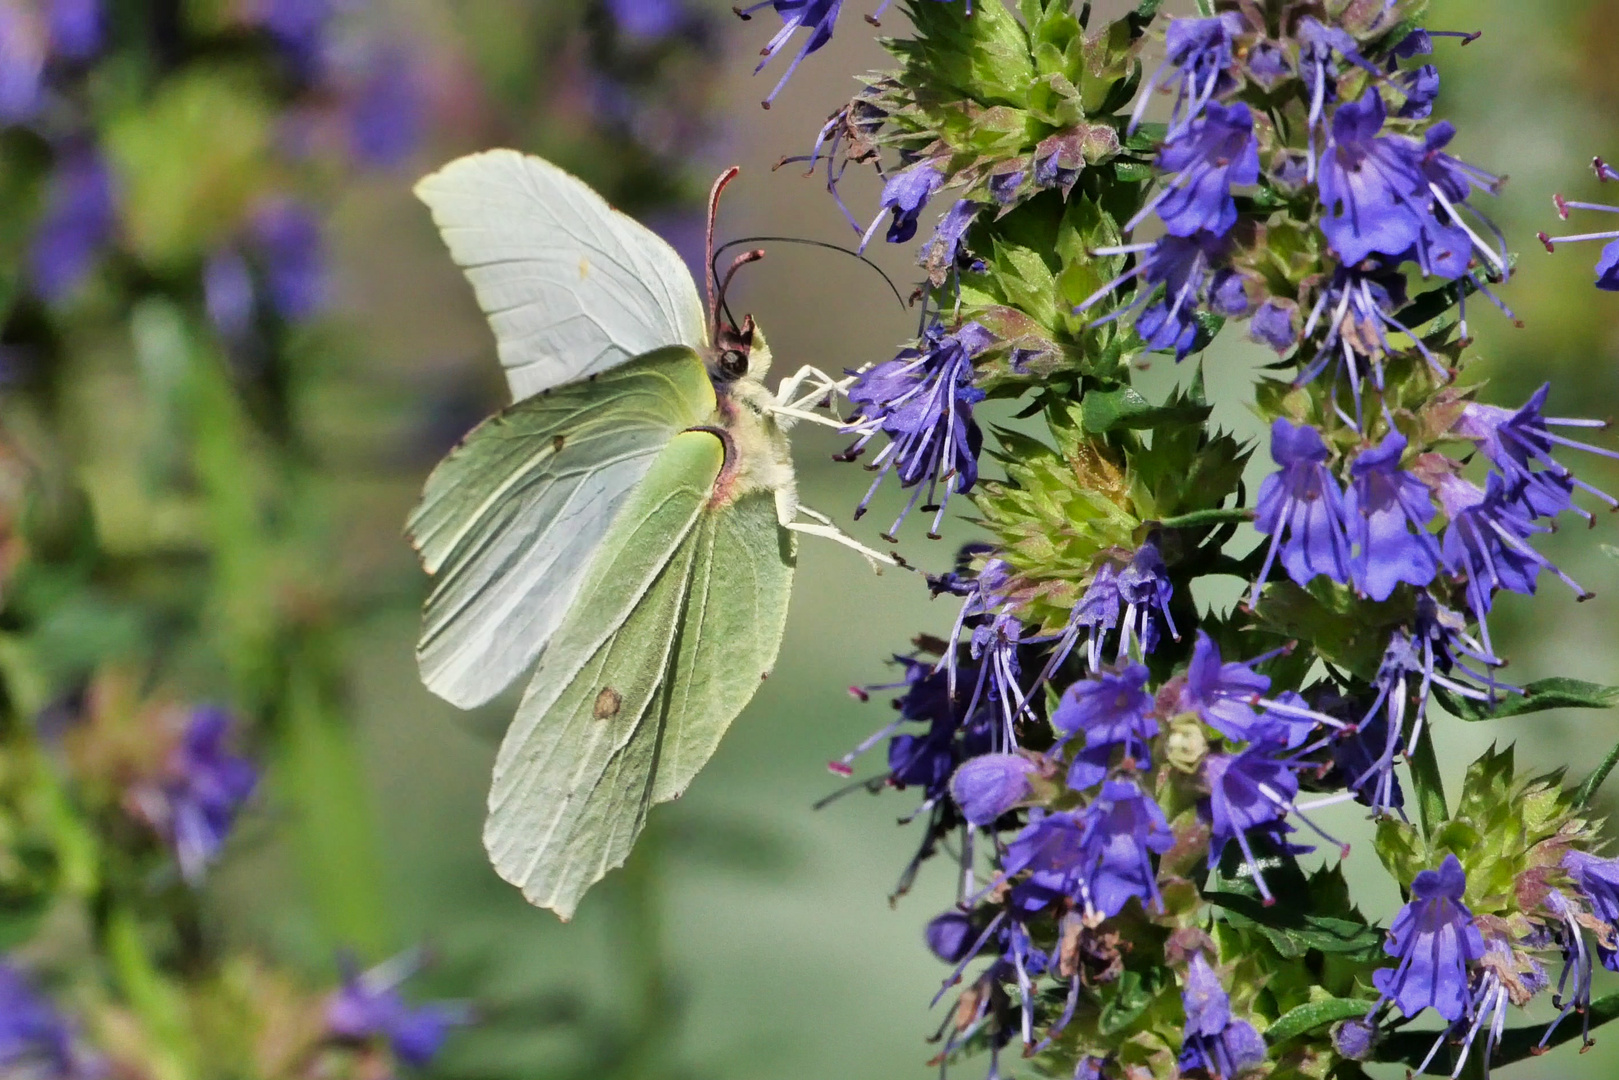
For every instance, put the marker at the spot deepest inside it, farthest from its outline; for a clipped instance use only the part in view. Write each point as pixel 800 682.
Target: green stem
pixel 1588 790
pixel 1429 787
pixel 639 922
pixel 153 999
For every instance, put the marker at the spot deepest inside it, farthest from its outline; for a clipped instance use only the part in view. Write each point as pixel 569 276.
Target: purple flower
pixel 904 195
pixel 942 253
pixel 1487 541
pixel 1301 508
pixel 1370 185
pixel 1420 85
pixel 1222 694
pixel 206 786
pixel 1111 710
pixel 288 235
pixel 227 292
pixel 950 936
pixel 1598 883
pixel 1358 305
pixel 1517 441
pixel 1099 856
pixel 75 28
pixel 1215 1042
pixel 988 786
pixel 1248 792
pixel 385 112
pixel 647 20
pixel 1319 45
pixel 1354 1039
pixel 1607 269
pixel 1208 156
pixel 368 1006
pixel 923 401
pixel 299 27
pixel 35 1041
pixel 1388 511
pixel 1434 939
pixel 1145 588
pixel 1267 64
pixel 1200 54
pixel 80 217
pixel 1275 324
pixel 1186 266
pixel 819 16
pixel 22 62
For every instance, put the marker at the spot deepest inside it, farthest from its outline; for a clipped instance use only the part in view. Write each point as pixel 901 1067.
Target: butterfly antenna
pixel 725 284
pixel 714 299
pixel 716 253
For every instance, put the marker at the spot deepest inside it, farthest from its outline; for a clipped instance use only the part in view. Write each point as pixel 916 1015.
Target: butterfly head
pixel 739 352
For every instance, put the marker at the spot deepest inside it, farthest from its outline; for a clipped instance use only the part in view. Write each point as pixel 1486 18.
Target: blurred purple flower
pixel 35 1041
pixel 76 28
pixel 80 216
pixel 205 785
pixel 299 27
pixel 227 292
pixel 1434 939
pixel 368 1006
pixel 288 235
pixel 647 20
pixel 22 62
pixel 385 112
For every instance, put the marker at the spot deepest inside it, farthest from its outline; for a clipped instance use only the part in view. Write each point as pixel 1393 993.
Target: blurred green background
pixel 752 936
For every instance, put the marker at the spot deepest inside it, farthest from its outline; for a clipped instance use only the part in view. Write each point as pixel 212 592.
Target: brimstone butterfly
pixel 627 522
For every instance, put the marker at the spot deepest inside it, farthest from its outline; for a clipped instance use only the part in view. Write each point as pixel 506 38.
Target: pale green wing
pixel 570 285
pixel 677 625
pixel 509 522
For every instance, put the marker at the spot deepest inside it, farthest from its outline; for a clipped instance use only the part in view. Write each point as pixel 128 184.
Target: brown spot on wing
pixel 607 704
pixel 557 443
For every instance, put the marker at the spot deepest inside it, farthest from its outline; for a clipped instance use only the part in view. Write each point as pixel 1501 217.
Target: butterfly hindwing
pixel 679 619
pixel 570 285
pixel 509 523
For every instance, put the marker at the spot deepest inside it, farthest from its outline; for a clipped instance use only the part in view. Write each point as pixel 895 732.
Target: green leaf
pixel 1102 411
pixel 1199 518
pixel 1294 933
pixel 1316 1014
pixel 1537 696
pixel 1588 789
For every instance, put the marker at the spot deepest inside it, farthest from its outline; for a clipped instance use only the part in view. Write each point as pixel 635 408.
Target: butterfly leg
pixel 822 526
pixel 824 384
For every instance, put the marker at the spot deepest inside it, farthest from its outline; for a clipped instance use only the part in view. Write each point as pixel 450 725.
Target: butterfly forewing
pixel 679 620
pixel 510 522
pixel 571 286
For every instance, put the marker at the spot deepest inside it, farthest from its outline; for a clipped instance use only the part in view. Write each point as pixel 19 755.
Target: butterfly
pixel 626 527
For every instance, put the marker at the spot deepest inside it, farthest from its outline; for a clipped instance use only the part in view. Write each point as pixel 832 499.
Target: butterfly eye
pixel 733 363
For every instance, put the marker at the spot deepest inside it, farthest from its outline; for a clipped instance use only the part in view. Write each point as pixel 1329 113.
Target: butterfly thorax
pixel 757 454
